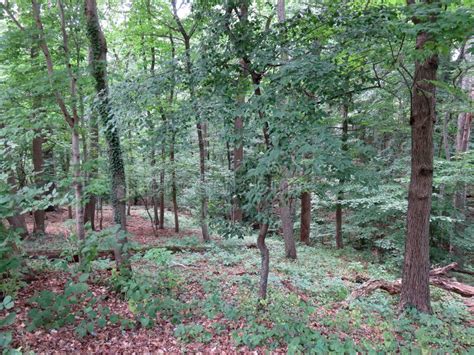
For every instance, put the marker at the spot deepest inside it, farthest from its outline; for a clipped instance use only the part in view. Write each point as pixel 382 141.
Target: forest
pixel 236 176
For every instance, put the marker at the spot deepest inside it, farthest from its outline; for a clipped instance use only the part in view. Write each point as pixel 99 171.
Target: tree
pixel 72 119
pixel 98 46
pixel 416 266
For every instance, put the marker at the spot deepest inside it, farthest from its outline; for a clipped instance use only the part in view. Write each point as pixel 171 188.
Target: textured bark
pixel 93 156
pixel 305 228
pixel 286 217
pixel 98 47
pixel 76 166
pixel 162 188
pixel 237 214
pixel 265 261
pixel 38 165
pixel 415 290
pixel 202 175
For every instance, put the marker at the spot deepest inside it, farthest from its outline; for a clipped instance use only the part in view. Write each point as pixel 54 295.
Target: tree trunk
pixel 76 167
pixel 99 72
pixel 287 220
pixel 173 185
pixel 415 281
pixel 286 200
pixel 172 144
pixel 93 156
pixel 340 193
pixel 238 159
pixel 37 154
pixel 38 166
pixel 305 217
pixel 202 173
pixel 162 188
pixel 265 261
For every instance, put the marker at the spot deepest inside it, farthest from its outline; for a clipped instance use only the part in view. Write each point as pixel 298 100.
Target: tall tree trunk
pixel 173 185
pixel 162 188
pixel 154 189
pixel 72 119
pixel 172 145
pixel 305 227
pixel 415 282
pixel 340 193
pixel 200 126
pixel 99 72
pixel 286 200
pixel 38 166
pixel 93 156
pixel 286 217
pixel 76 167
pixel 37 154
pixel 238 159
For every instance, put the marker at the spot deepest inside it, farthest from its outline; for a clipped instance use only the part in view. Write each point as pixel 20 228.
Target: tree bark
pixel 305 217
pixel 162 185
pixel 38 165
pixel 340 193
pixel 265 261
pixel 415 290
pixel 286 217
pixel 99 72
pixel 93 156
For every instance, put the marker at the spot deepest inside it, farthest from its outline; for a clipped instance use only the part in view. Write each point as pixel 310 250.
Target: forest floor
pixel 206 300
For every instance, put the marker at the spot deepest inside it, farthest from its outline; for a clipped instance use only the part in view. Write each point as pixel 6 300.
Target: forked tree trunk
pixel 99 72
pixel 415 281
pixel 72 119
pixel 305 227
pixel 200 127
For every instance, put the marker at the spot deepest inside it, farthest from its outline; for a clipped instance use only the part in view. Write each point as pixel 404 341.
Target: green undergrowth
pixel 212 292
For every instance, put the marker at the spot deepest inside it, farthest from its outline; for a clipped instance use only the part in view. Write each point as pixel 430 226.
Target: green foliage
pixel 192 332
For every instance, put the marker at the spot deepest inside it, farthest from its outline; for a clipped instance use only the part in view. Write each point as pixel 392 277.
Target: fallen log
pixel 435 279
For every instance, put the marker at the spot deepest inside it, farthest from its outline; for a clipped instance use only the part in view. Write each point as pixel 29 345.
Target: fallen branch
pixel 291 288
pixel 435 279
